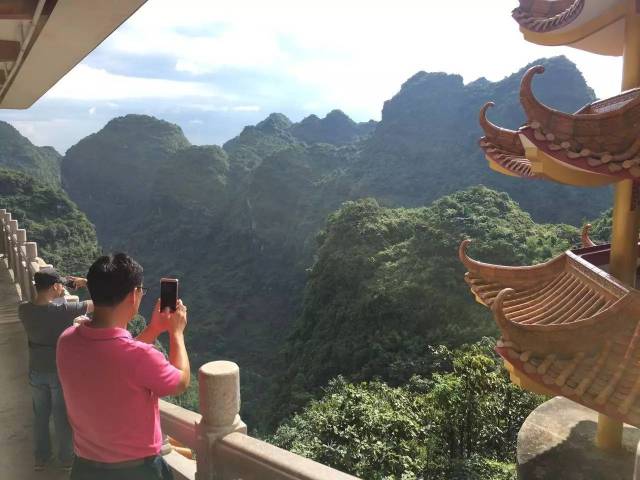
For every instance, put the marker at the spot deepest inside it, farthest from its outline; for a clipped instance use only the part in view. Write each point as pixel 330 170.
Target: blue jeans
pixel 46 392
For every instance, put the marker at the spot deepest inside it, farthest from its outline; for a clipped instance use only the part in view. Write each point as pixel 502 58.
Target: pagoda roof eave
pixel 597 145
pixel 568 327
pixel 593 385
pixel 597 28
pixel 503 148
pixel 562 306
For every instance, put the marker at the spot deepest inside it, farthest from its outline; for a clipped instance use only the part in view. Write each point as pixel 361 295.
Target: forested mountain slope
pixel 387 283
pixel 110 174
pixel 18 153
pixel 64 236
pixel 425 146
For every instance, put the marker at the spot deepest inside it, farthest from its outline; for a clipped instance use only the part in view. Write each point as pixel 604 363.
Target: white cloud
pixel 350 55
pixel 92 111
pixel 87 83
pixel 47 132
pixel 246 108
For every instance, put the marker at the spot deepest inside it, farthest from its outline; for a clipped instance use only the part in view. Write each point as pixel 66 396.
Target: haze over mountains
pixel 239 224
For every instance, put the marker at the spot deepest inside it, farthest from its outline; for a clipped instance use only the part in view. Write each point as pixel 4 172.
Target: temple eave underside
pixel 596 26
pixel 546 15
pixel 567 326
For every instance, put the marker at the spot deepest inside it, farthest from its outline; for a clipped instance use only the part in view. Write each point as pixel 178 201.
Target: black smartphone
pixel 168 293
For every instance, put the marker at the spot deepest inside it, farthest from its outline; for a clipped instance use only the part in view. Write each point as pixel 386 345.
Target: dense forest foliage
pixel 387 283
pixel 459 422
pixel 64 236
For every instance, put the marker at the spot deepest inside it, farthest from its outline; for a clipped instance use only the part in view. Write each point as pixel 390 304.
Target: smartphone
pixel 168 293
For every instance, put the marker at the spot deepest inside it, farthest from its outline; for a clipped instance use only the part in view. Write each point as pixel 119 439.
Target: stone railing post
pixel 220 409
pixel 21 274
pixel 13 230
pixel 3 212
pixel 6 218
pixel 32 255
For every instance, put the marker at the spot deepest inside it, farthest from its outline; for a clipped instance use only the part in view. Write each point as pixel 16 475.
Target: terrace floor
pixel 16 458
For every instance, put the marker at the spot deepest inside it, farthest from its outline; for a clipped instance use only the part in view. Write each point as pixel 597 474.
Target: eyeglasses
pixel 144 290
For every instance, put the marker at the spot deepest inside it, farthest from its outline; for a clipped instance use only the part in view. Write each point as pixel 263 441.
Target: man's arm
pixel 157 325
pixel 177 350
pixel 153 370
pixel 80 282
pixel 69 311
pixel 148 335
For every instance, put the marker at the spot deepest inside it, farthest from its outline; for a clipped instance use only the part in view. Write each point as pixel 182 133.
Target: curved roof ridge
pixel 547 15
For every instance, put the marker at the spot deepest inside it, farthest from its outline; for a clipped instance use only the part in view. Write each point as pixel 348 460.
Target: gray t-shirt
pixel 44 324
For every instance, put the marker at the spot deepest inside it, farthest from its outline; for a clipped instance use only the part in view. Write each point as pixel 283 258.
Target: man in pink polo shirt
pixel 112 382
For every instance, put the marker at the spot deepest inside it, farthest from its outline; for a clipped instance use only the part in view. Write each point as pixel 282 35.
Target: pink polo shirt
pixel 111 385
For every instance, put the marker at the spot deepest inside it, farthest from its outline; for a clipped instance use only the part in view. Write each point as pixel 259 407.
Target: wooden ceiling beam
pixel 9 50
pixel 17 9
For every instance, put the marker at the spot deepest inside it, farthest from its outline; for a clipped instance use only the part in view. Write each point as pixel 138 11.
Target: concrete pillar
pixel 220 409
pixel 6 218
pixel 21 264
pixel 3 212
pixel 13 228
pixel 32 254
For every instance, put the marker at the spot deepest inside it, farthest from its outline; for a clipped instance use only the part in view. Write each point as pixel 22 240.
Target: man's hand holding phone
pixel 177 321
pixel 168 321
pixel 159 320
pixel 177 351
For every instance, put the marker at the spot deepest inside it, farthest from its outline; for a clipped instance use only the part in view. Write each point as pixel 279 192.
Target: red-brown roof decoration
pixel 602 138
pixel 503 146
pixel 567 325
pixel 586 240
pixel 546 15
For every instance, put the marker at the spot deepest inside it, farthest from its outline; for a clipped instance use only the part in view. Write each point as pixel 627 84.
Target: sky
pixel 214 67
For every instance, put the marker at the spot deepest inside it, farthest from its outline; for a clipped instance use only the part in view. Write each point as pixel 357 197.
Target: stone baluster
pixel 32 254
pixel 5 237
pixel 220 409
pixel 13 229
pixel 21 263
pixel 3 213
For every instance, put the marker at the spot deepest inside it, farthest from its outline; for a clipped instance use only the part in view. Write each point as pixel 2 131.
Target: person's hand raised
pixel 78 282
pixel 177 319
pixel 159 320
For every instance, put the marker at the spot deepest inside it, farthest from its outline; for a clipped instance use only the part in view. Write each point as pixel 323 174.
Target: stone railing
pixel 217 434
pixel 21 256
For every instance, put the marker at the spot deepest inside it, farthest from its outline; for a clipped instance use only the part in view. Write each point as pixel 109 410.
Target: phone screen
pixel 168 294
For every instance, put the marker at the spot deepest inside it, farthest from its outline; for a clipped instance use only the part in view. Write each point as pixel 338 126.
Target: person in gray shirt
pixel 44 319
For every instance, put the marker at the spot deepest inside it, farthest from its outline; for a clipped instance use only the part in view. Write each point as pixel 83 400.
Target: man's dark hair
pixel 112 277
pixel 42 288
